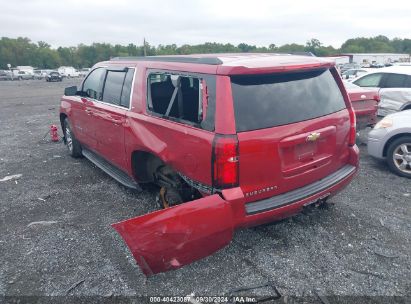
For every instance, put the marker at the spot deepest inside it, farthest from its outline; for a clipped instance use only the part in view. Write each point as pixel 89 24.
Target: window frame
pixel 117 69
pixel 85 79
pixel 171 118
pixel 370 75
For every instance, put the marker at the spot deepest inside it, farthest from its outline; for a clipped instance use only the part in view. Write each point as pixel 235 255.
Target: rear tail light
pixel 353 131
pixel 225 161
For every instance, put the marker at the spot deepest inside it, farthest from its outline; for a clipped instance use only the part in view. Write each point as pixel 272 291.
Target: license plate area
pixel 305 151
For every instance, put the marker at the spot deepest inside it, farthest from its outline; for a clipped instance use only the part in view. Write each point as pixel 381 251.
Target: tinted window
pixel 393 81
pixel 128 83
pixel 113 86
pixel 372 80
pixel 264 101
pixel 93 84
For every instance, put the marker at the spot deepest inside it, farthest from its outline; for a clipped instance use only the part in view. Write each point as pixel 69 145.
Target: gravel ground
pixel 358 246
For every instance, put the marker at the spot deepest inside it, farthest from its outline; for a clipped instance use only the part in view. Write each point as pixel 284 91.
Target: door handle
pixel 117 122
pixel 89 112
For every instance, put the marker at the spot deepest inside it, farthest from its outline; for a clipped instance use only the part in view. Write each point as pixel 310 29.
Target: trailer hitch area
pixel 179 235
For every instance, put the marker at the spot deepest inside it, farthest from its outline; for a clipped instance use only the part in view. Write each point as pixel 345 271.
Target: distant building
pixel 376 58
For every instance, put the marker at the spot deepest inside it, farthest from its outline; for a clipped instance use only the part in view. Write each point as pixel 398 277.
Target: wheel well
pixel 62 118
pixel 144 165
pixel 388 143
pixel 407 107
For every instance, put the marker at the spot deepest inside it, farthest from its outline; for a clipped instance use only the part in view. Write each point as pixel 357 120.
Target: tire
pixel 73 145
pixel 20 78
pixel 399 156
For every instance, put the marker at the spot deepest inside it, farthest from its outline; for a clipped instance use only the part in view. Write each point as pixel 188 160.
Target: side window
pixel 113 87
pixel 394 80
pixel 372 80
pixel 126 93
pixel 93 85
pixel 175 96
pixel 408 82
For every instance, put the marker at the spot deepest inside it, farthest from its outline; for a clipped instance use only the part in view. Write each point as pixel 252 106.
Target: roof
pixel 375 54
pixel 397 69
pixel 234 63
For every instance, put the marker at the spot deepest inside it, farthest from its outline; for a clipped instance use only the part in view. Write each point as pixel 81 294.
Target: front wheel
pixel 73 145
pixel 399 156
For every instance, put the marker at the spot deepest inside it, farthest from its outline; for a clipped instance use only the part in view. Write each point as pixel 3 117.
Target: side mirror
pixel 70 91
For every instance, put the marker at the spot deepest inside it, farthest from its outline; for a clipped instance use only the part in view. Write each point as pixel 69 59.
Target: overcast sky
pixel 259 22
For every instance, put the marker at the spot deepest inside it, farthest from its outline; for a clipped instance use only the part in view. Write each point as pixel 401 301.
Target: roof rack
pixel 182 59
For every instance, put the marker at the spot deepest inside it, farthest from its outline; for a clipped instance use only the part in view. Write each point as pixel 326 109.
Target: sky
pixel 257 22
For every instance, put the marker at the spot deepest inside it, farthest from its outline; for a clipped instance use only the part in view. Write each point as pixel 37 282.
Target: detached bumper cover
pixel 300 193
pixel 171 238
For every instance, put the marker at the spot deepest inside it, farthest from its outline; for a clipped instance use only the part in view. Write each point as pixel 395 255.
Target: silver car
pixel 391 140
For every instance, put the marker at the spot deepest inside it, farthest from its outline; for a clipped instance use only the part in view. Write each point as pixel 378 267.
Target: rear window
pixel 264 101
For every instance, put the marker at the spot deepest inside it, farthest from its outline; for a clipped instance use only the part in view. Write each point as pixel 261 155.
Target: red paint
pixel 365 104
pixel 279 159
pixel 168 239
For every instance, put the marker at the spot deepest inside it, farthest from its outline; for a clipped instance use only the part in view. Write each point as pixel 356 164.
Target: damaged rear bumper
pixel 171 238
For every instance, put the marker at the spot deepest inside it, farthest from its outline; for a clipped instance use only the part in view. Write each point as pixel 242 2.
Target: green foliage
pixel 21 51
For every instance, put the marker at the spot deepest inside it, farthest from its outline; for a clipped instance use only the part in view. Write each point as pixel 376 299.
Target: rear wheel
pixel 399 156
pixel 73 145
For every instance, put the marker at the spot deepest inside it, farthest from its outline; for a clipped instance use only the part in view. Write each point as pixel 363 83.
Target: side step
pixel 111 170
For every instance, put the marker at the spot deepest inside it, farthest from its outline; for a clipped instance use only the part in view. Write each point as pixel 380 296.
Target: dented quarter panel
pixel 171 238
pixel 185 148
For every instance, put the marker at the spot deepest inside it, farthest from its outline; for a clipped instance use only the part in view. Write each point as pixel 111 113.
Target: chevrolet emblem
pixel 313 136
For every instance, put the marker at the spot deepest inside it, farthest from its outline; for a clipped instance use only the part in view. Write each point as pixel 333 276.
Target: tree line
pixel 22 51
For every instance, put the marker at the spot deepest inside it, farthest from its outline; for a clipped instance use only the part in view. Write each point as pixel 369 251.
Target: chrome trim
pixel 300 193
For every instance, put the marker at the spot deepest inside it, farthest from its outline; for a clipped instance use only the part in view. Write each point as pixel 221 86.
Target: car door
pixel 109 115
pixel 82 114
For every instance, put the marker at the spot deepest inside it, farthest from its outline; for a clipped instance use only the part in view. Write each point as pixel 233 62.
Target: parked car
pixel 365 104
pixel 394 86
pixel 84 72
pixel 54 76
pixel 391 140
pixel 67 71
pixel 4 75
pixel 349 66
pixel 41 74
pixel 353 73
pixel 231 141
pixel 21 75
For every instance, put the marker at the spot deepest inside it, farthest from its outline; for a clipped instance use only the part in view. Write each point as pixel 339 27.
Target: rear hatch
pixel 293 129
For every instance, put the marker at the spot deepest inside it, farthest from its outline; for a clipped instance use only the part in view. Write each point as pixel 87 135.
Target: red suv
pixel 232 140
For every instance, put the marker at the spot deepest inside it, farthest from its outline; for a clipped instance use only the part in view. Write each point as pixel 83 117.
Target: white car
pixel 394 86
pixel 391 140
pixel 354 73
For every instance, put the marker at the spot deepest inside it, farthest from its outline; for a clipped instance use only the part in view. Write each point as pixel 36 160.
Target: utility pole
pixel 145 51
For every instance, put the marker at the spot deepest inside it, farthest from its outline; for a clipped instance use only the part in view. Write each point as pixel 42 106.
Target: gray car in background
pixel 391 140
